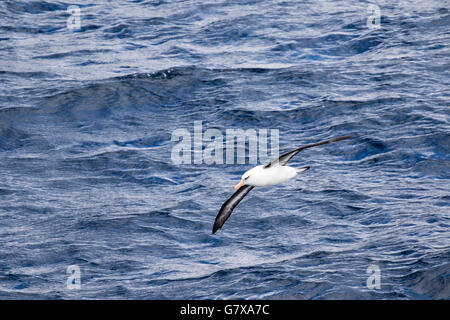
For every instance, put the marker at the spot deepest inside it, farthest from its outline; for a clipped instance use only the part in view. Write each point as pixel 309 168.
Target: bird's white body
pixel 260 176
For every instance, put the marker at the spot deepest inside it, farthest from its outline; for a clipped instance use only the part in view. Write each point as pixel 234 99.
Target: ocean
pixel 95 205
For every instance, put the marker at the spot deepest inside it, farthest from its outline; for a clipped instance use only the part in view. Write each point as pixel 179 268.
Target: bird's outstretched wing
pixel 284 158
pixel 229 205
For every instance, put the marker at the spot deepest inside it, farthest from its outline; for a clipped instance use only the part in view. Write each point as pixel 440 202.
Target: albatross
pixel 265 175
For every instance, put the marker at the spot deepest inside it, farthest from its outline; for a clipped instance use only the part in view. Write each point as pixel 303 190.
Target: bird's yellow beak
pixel 240 184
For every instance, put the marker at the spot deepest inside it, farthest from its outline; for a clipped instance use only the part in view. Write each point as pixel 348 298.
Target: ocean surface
pixel 91 95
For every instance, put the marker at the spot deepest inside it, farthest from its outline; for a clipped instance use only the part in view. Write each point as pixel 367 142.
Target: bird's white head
pixel 248 178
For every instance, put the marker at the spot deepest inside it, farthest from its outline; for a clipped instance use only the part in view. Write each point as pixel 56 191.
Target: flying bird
pixel 264 175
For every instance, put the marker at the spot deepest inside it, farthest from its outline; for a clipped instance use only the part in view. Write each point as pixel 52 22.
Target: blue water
pixel 87 178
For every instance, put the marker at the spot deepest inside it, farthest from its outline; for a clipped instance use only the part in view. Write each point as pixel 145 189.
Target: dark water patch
pixel 5 192
pixel 149 142
pixel 13 138
pixel 31 74
pixel 33 7
pixel 430 282
pixel 120 31
pixel 434 167
pixel 71 54
pixel 30 30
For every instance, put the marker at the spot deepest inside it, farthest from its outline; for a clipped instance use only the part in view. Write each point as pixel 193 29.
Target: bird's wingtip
pixel 343 138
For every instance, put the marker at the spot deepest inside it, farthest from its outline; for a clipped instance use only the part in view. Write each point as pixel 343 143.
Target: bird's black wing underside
pixel 229 205
pixel 284 158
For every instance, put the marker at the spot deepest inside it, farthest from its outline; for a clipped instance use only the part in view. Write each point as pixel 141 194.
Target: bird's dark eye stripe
pixel 245 178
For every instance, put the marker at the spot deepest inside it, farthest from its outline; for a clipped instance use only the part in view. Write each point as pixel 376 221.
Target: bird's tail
pixel 302 169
